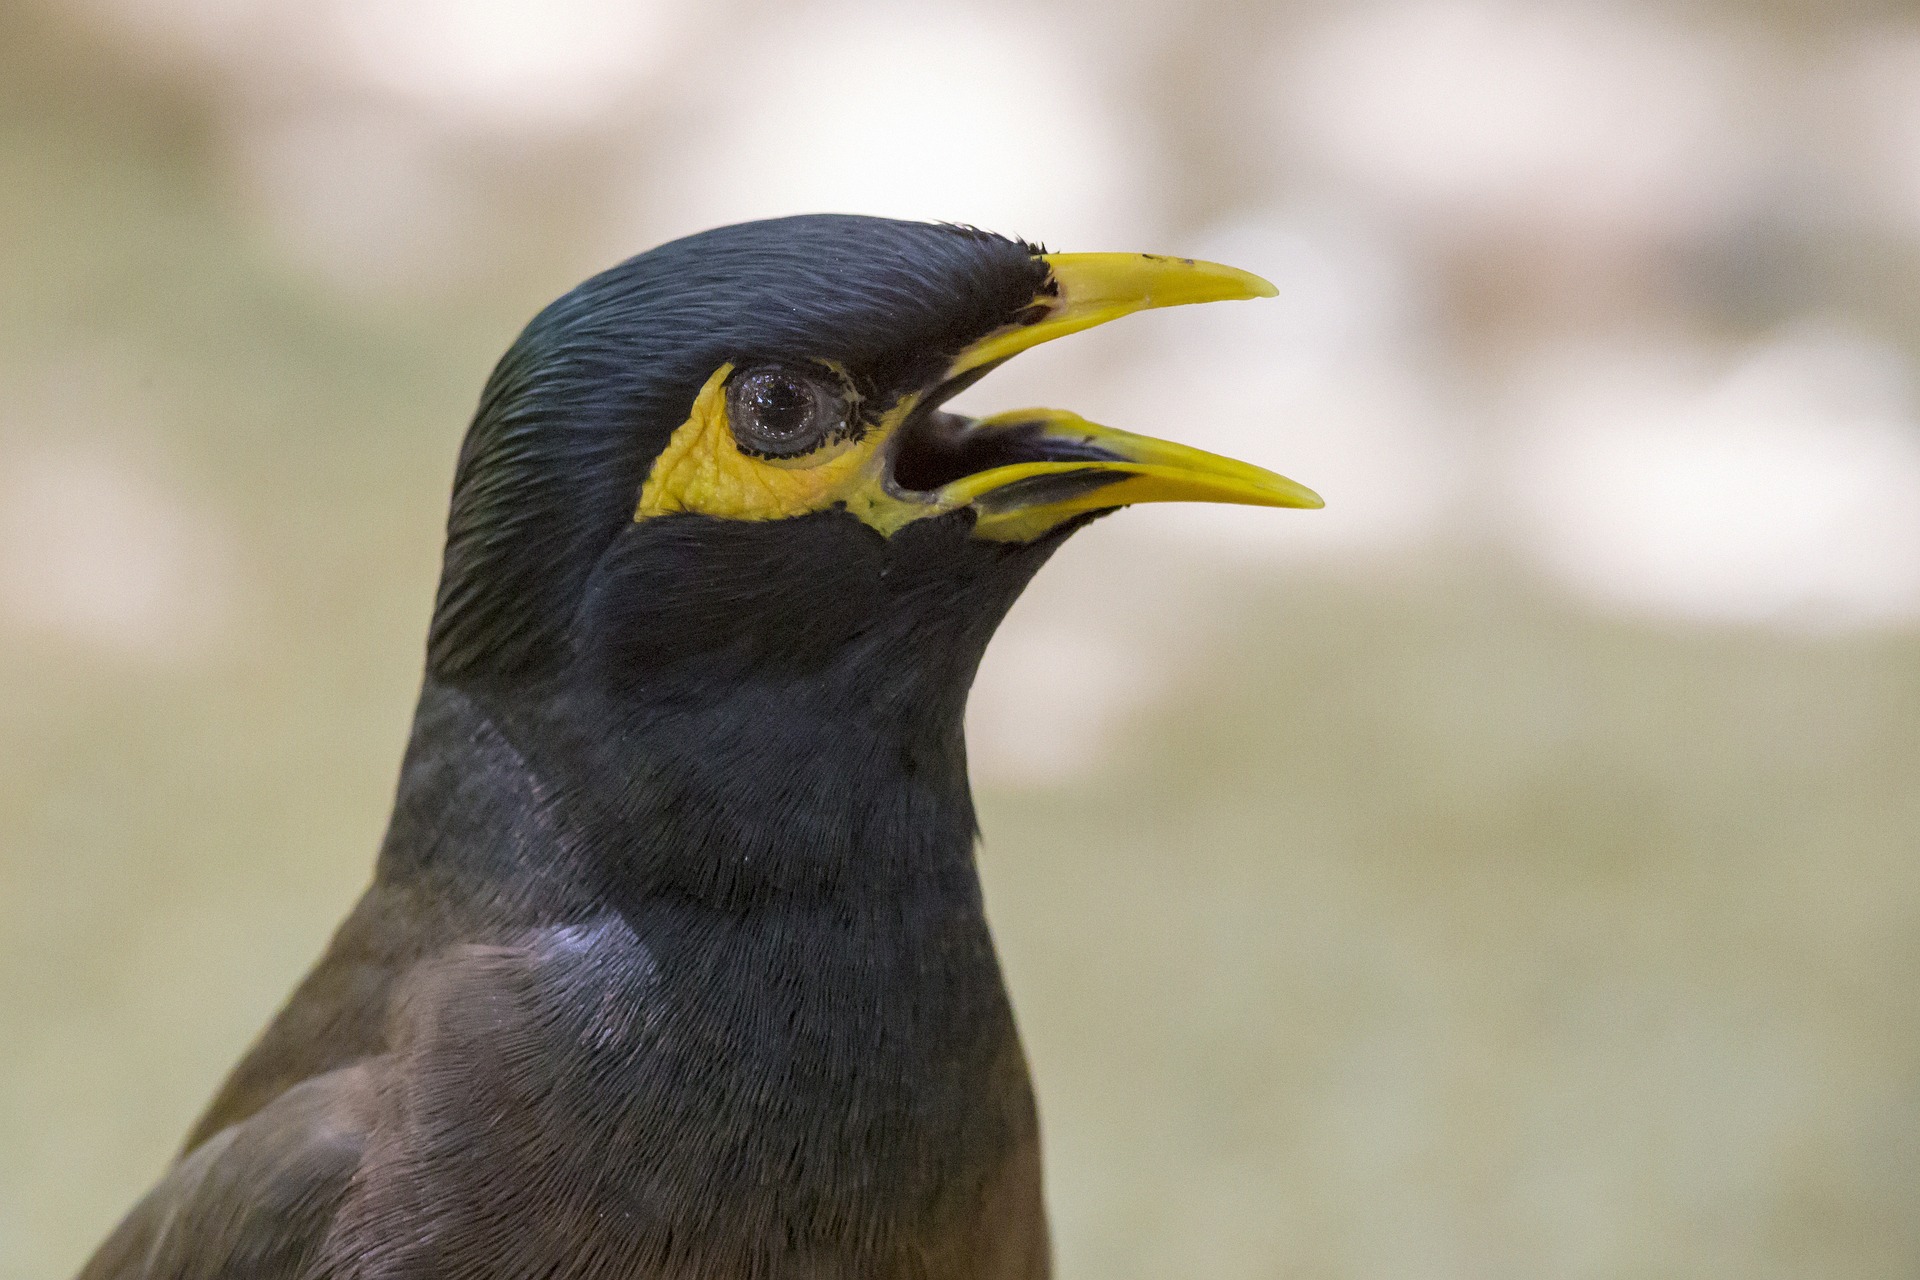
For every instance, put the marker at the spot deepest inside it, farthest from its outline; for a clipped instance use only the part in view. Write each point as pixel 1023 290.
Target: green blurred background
pixel 1511 871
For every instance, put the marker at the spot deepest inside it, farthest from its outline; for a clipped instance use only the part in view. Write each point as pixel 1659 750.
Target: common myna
pixel 674 962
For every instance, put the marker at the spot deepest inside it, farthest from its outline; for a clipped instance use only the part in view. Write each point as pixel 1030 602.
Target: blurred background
pixel 1511 871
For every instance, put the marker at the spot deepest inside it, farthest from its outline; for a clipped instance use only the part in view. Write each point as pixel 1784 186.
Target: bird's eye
pixel 781 411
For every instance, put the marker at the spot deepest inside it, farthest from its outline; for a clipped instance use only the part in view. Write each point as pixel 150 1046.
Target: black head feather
pixel 578 408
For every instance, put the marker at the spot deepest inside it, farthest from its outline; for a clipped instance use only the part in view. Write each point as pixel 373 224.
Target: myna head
pixel 728 459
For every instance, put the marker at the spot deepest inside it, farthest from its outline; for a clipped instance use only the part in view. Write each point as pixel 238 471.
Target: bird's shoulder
pixel 459 866
pixel 257 1198
pixel 310 1182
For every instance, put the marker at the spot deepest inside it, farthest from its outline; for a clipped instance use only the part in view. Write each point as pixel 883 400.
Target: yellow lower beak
pixel 1067 466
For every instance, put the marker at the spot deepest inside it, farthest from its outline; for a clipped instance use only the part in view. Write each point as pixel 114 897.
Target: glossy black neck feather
pixel 752 712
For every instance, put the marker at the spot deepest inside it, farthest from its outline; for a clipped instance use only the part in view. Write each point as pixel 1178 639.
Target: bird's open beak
pixel 1028 471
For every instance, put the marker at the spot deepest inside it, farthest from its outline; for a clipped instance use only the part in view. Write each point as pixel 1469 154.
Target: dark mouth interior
pixel 938 448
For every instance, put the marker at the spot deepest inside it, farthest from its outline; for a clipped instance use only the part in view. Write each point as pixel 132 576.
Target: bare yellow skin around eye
pixel 702 471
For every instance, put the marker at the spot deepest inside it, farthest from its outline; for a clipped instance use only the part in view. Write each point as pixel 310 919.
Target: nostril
pixel 938 448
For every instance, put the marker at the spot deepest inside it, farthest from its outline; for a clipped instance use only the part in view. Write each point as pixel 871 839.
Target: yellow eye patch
pixel 703 469
pixel 1022 474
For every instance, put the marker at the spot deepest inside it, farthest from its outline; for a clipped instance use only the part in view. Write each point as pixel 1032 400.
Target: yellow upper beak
pixel 1087 289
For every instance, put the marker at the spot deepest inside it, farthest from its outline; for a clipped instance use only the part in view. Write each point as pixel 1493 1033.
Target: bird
pixel 674 962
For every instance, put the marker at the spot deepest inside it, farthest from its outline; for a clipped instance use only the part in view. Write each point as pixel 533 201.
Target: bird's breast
pixel 783 1083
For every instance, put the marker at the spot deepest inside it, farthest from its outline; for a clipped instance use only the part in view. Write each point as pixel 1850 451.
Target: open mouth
pixel 1029 470
pixel 936 449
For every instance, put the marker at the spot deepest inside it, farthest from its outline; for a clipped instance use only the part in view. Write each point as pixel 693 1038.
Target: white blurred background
pixel 1512 870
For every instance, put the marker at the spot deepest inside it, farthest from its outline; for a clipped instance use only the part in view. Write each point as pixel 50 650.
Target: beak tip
pixel 1262 287
pixel 1282 492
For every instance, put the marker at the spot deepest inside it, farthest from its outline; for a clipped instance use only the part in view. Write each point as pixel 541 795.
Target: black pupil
pixel 781 406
